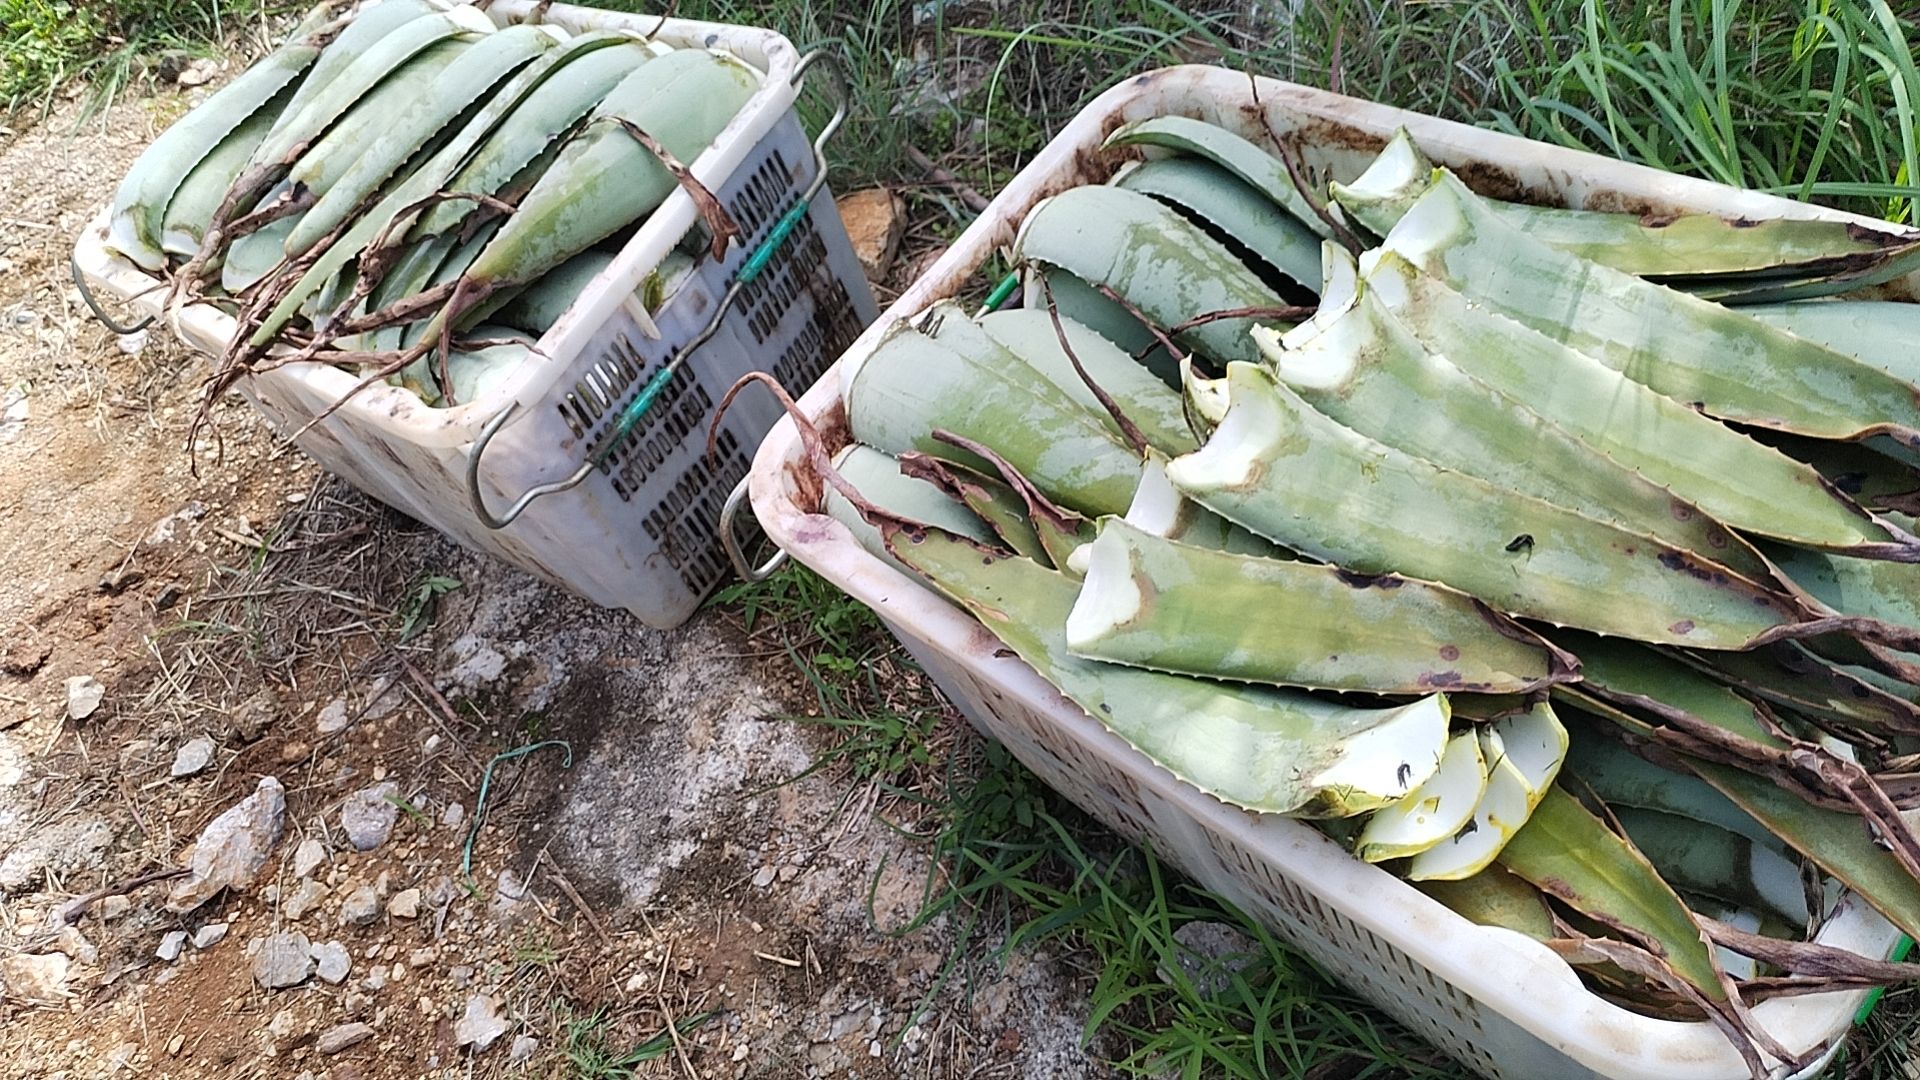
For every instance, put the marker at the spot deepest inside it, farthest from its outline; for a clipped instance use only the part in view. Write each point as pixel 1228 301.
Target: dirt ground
pixel 652 864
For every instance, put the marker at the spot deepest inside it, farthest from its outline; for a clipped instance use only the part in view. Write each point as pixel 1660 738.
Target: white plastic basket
pixel 1499 1002
pixel 638 533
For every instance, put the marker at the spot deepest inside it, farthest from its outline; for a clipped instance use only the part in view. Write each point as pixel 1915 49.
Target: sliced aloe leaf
pixel 1162 263
pixel 1229 206
pixel 1698 858
pixel 1566 852
pixel 1532 741
pixel 1159 509
pixel 1495 897
pixel 1733 478
pixel 1280 468
pixel 1433 812
pixel 1251 164
pixel 1367 371
pixel 912 385
pixel 1149 602
pixel 1693 351
pixel 1502 810
pixel 1269 750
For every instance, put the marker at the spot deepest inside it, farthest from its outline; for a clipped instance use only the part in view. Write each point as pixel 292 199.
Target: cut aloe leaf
pixel 1267 174
pixel 1228 206
pixel 1368 372
pixel 1733 478
pixel 1270 750
pixel 1568 853
pixel 1280 468
pixel 1435 811
pixel 912 385
pixel 1694 857
pixel 1693 351
pixel 1532 741
pixel 1499 815
pixel 1162 263
pixel 1152 603
pixel 1162 511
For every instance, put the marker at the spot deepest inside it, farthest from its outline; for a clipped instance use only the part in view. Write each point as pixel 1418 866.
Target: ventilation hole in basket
pixel 682 523
pixel 678 414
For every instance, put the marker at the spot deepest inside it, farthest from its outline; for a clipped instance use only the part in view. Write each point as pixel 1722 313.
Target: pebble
pixel 113 907
pixel 84 694
pixel 192 757
pixel 332 963
pixel 335 1039
pixel 308 857
pixel 306 896
pixel 405 904
pixel 523 1050
pixel 763 877
pixel 361 907
pixel 481 1025
pixel 368 815
pixel 453 815
pixel 283 960
pixel 233 847
pixel 170 945
pixel 210 935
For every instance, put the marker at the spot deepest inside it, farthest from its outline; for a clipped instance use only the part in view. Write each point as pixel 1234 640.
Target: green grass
pixel 590 1052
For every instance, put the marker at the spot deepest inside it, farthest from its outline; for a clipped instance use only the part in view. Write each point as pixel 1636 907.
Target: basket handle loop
pixel 730 540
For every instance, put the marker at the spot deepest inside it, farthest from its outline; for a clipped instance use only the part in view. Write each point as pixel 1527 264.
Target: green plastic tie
pixel 630 416
pixel 1874 995
pixel 1001 292
pixel 486 782
pixel 763 254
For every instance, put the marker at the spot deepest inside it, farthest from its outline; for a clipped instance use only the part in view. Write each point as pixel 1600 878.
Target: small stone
pixel 294 752
pixel 636 982
pixel 405 904
pixel 170 945
pixel 787 873
pixel 210 935
pixel 1211 953
pixel 481 1025
pixel 233 847
pixel 453 815
pixel 332 963
pixel 114 907
pixel 763 877
pixel 376 980
pixel 174 1044
pixel 306 896
pixel 283 960
pixel 523 1050
pixel 192 757
pixel 875 220
pixel 335 1039
pixel 199 72
pixel 332 717
pixel 368 815
pixel 308 857
pixel 26 655
pixel 361 907
pixel 84 694
pixel 76 946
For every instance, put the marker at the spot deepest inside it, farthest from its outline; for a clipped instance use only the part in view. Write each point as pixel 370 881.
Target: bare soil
pixel 654 864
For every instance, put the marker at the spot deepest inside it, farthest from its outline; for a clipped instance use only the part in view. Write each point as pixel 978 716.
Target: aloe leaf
pixel 997 506
pixel 1787 674
pixel 1434 811
pixel 1149 602
pixel 1245 160
pixel 1502 811
pixel 184 225
pixel 1280 468
pixel 878 478
pixel 1276 751
pixel 1867 588
pixel 1368 372
pixel 1162 263
pixel 1159 509
pixel 1733 478
pixel 542 303
pixel 571 87
pixel 606 180
pixel 1859 471
pixel 1622 778
pixel 1495 897
pixel 1566 852
pixel 1078 302
pixel 911 385
pixel 1229 207
pixel 1877 332
pixel 1693 351
pixel 369 24
pixel 1694 857
pixel 1533 741
pixel 1029 336
pixel 478 372
pixel 412 108
pixel 1850 275
pixel 140 204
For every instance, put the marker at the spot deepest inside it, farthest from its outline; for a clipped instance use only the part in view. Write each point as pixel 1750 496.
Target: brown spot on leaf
pixel 1449 653
pixel 1683 627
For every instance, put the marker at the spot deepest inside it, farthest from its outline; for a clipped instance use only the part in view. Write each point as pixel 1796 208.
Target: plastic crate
pixel 639 532
pixel 1499 1002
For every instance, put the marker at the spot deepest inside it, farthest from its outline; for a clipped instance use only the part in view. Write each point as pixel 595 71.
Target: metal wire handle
pixel 730 540
pixel 635 410
pixel 93 305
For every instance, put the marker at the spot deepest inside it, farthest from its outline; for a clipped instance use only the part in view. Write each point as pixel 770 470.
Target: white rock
pixel 523 1050
pixel 38 978
pixel 210 935
pixel 332 717
pixel 481 1025
pixel 170 945
pixel 283 960
pixel 368 815
pixel 453 815
pixel 233 848
pixel 192 757
pixel 84 693
pixel 335 1039
pixel 361 907
pixel 308 857
pixel 332 962
pixel 405 904
pixel 306 896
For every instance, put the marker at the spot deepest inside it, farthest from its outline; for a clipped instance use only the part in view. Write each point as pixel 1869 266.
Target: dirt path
pixel 652 864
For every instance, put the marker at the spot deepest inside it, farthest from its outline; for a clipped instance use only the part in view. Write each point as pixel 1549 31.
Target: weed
pixel 415 611
pixel 590 1058
pixel 414 814
pixel 535 950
